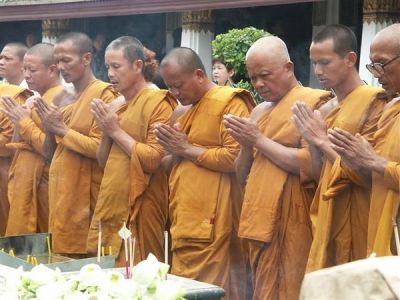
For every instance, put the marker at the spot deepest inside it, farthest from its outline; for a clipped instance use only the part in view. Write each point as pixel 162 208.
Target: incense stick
pixel 166 247
pixel 130 253
pixel 99 243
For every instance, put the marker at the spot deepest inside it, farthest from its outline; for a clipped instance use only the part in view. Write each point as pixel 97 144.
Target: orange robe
pixel 205 198
pixel 275 218
pixel 385 196
pixel 74 175
pixel 134 190
pixel 339 211
pixel 6 133
pixel 29 174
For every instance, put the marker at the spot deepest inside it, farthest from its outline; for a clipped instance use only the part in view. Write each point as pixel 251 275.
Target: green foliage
pixel 231 47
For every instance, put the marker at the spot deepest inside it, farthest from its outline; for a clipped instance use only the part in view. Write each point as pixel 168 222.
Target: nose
pixel 60 66
pixel 110 74
pixel 317 69
pixel 257 83
pixel 27 74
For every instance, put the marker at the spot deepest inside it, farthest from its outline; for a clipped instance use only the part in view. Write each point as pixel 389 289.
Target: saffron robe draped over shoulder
pixel 74 175
pixel 275 218
pixel 205 197
pixel 134 189
pixel 29 174
pixel 6 132
pixel 339 211
pixel 385 196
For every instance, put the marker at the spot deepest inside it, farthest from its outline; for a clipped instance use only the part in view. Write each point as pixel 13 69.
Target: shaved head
pixel 390 36
pixel 44 51
pixel 79 40
pixel 185 58
pixel 272 47
pixel 18 48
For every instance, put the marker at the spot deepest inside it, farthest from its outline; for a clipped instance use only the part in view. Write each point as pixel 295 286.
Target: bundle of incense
pixel 11 252
pixel 102 251
pixel 48 245
pixel 110 250
pixel 99 243
pixel 166 247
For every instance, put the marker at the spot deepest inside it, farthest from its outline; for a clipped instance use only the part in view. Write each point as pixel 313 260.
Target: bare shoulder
pixel 259 110
pixel 179 111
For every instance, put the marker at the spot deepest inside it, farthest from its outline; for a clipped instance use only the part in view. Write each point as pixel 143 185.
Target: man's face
pixel 11 66
pixel 121 72
pixel 268 76
pixel 70 62
pixel 37 75
pixel 184 86
pixel 329 67
pixel 382 51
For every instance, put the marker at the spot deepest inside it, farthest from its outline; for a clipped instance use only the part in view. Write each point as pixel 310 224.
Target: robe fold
pixel 74 174
pixel 385 196
pixel 205 197
pixel 134 189
pixel 19 94
pixel 29 174
pixel 339 210
pixel 275 218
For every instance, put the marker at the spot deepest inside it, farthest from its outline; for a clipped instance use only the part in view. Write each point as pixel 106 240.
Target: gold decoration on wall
pixel 381 11
pixel 198 21
pixel 54 28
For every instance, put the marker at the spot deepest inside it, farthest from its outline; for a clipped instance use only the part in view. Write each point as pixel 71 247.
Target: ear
pixel 87 58
pixel 351 59
pixel 199 73
pixel 289 67
pixel 53 69
pixel 139 65
pixel 231 73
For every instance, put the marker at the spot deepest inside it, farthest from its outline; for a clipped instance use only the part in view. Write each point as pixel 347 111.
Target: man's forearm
pixel 104 150
pixel 243 164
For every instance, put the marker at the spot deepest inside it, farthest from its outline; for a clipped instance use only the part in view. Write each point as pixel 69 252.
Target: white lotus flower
pixel 91 275
pixel 169 290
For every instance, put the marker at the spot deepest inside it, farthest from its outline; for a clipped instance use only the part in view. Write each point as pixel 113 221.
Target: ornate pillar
pixel 197 33
pixel 377 14
pixel 324 13
pixel 51 29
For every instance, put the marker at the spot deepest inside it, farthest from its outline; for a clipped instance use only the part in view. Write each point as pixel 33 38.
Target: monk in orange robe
pixel 205 197
pixel 275 219
pixel 74 175
pixel 6 132
pixel 28 182
pixel 339 210
pixel 382 162
pixel 134 189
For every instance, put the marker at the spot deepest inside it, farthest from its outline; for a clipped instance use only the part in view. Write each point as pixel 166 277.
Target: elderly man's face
pixel 268 76
pixel 383 51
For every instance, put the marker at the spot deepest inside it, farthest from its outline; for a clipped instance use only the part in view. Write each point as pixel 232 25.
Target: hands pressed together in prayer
pixel 172 138
pixel 356 151
pixel 310 124
pixel 51 117
pixel 13 110
pixel 243 130
pixel 105 117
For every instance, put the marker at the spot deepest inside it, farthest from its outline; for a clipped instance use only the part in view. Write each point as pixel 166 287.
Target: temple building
pixel 164 24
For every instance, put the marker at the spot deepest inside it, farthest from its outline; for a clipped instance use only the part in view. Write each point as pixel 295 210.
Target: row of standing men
pixel 305 180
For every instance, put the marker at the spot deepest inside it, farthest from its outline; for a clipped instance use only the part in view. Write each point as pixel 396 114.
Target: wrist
pixel 379 165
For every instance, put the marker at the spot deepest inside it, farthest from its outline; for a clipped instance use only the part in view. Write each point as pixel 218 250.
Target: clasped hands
pixel 243 130
pixel 51 117
pixel 172 138
pixel 13 110
pixel 105 116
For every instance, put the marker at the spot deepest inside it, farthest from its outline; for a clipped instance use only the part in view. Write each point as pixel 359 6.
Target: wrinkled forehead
pixel 383 48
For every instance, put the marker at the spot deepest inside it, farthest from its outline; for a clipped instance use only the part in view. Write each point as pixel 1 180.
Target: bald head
pixel 79 40
pixel 187 60
pixel 270 46
pixel 389 36
pixel 44 51
pixel 18 49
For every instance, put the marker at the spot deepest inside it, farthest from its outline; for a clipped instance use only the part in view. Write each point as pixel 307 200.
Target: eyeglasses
pixel 378 69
